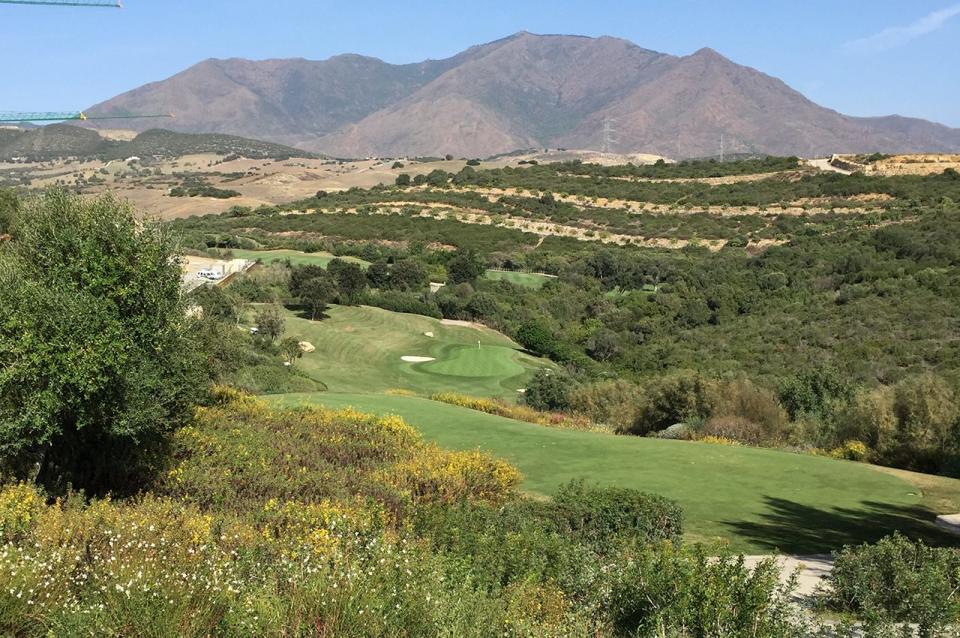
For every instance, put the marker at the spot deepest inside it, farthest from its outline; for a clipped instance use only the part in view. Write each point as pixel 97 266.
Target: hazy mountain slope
pixel 48 142
pixel 279 100
pixel 520 92
pixel 684 112
pixel 62 140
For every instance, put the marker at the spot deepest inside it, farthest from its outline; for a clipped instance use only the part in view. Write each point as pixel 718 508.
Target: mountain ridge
pixel 521 91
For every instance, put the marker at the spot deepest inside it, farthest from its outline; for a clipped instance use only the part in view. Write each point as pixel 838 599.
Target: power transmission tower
pixel 609 134
pixel 721 148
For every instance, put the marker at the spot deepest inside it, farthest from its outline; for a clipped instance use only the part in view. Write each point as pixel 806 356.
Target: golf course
pixel 295 257
pixel 299 258
pixel 362 350
pixel 757 500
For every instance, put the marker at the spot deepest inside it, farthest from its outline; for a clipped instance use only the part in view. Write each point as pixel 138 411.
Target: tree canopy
pixel 97 357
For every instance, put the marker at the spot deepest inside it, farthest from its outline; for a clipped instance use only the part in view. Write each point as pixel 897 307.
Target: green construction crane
pixel 114 4
pixel 14 118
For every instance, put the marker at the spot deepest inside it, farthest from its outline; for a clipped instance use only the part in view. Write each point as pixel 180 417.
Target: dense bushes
pixel 599 514
pixel 312 522
pixel 415 303
pixel 100 362
pixel 682 170
pixel 898 580
pixel 669 592
pixel 839 190
pixel 240 454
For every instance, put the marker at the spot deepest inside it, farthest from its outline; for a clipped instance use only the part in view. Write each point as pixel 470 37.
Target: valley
pixel 550 336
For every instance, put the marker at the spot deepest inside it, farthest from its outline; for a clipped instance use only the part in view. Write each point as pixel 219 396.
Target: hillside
pixel 524 91
pixel 62 140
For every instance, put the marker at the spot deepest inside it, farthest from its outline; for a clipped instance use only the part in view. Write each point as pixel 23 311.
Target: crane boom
pixel 113 4
pixel 13 118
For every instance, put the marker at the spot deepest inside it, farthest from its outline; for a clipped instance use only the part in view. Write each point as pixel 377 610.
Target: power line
pixel 114 4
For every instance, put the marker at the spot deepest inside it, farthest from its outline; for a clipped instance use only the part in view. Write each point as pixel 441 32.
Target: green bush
pixel 599 513
pixel 396 301
pixel 100 362
pixel 677 398
pixel 670 592
pixel 548 390
pixel 898 580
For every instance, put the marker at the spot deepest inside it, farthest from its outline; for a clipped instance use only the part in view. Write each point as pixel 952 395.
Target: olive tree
pixel 98 360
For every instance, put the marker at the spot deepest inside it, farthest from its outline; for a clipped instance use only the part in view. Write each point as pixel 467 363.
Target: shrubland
pixel 817 339
pixel 228 517
pixel 313 522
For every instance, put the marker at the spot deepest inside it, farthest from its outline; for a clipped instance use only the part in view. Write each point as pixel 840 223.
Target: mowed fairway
pixel 360 349
pixel 525 279
pixel 758 500
pixel 295 257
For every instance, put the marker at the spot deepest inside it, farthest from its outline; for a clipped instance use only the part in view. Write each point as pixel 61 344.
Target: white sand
pixel 461 323
pixel 306 346
pixel 428 334
pixel 412 359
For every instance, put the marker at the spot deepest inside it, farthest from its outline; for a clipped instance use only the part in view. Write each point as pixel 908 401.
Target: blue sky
pixel 864 57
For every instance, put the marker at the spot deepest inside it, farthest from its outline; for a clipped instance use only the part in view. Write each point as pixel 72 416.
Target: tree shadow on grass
pixel 803 529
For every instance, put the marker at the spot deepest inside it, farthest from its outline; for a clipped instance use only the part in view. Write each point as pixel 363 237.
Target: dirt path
pixel 824 164
pixel 813 571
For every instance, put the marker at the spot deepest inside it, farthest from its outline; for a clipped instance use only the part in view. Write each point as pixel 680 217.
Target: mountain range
pixel 524 91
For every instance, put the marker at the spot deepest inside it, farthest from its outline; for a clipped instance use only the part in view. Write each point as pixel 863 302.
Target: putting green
pixel 360 349
pixel 474 361
pixel 758 500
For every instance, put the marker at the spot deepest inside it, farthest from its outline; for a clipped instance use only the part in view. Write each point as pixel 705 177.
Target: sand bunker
pixel 428 334
pixel 412 359
pixel 306 346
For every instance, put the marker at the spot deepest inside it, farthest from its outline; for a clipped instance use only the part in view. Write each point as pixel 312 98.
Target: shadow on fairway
pixel 810 530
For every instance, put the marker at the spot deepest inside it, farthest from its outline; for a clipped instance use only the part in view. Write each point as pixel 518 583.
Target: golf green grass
pixel 296 257
pixel 474 361
pixel 758 500
pixel 360 350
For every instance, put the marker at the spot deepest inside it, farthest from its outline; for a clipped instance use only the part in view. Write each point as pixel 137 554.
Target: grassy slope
pixel 526 279
pixel 359 349
pixel 758 499
pixel 295 256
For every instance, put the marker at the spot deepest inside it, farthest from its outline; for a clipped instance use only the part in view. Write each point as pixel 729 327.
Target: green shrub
pixel 396 301
pixel 899 580
pixel 670 592
pixel 99 359
pixel 677 398
pixel 548 390
pixel 599 513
